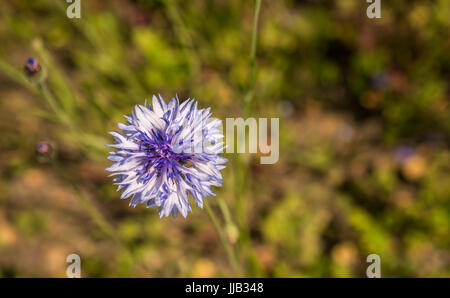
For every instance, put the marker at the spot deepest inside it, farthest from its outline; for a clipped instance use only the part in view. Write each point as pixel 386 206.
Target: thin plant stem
pixel 252 76
pixel 87 140
pixel 68 101
pixel 17 76
pixel 242 164
pixel 51 101
pixel 226 244
pixel 225 211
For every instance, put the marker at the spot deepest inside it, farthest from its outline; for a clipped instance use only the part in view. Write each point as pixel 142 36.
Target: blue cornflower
pixel 167 152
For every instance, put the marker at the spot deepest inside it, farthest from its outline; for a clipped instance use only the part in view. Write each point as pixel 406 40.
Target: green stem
pixel 242 165
pixel 226 244
pixel 252 76
pixel 225 212
pixel 87 140
pixel 17 75
pixel 57 80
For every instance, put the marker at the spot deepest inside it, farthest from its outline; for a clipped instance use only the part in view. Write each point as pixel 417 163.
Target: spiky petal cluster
pixel 167 152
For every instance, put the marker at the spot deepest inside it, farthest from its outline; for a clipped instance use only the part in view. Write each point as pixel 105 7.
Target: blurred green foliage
pixel 364 142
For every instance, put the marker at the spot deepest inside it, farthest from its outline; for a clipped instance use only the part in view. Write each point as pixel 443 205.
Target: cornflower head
pixel 167 152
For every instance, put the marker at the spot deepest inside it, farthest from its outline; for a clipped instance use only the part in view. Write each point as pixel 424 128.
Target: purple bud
pixel 44 149
pixel 32 66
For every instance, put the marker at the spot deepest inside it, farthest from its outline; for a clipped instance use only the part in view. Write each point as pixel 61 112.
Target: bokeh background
pixel 364 136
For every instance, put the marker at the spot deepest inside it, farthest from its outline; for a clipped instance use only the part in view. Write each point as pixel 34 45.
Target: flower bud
pixel 44 149
pixel 32 67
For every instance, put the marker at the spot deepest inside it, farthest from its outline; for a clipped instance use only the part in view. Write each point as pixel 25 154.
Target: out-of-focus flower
pixel 402 153
pixel 33 70
pixel 380 80
pixel 32 67
pixel 44 149
pixel 166 152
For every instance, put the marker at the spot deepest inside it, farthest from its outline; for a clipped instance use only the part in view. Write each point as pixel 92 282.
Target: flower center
pixel 164 151
pixel 163 155
pixel 160 157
